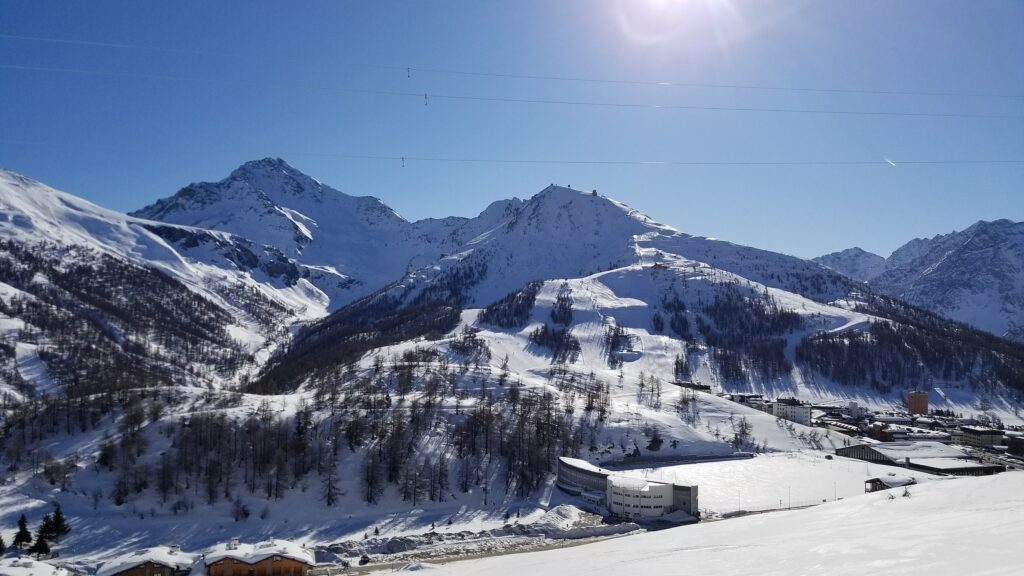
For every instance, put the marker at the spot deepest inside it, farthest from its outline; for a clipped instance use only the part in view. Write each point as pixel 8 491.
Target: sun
pixel 657 22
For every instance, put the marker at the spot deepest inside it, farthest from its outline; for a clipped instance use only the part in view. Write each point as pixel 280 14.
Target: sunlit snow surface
pixel 948 528
pixel 775 480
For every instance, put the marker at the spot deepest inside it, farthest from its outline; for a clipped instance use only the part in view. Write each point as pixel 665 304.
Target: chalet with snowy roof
pixel 931 457
pixel 156 561
pixel 887 482
pixel 270 558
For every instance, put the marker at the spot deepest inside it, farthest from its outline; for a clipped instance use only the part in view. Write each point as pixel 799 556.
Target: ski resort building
pixel 1015 445
pixel 931 457
pixel 625 496
pixel 638 498
pixel 793 410
pixel 980 437
pixel 156 561
pixel 917 402
pixel 575 476
pixel 270 558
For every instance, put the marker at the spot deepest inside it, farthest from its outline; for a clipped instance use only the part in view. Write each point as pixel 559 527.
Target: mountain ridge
pixel 975 275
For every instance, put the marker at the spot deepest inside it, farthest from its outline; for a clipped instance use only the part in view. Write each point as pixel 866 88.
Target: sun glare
pixel 651 22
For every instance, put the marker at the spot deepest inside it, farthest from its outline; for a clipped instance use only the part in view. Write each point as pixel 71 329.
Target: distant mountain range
pixel 268 344
pixel 974 276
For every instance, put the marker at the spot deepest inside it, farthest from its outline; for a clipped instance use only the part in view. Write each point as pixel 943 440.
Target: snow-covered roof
pixel 583 465
pixel 980 430
pixel 894 481
pixel 636 484
pixel 946 463
pixel 163 555
pixel 893 419
pixel 29 567
pixel 253 553
pixel 898 451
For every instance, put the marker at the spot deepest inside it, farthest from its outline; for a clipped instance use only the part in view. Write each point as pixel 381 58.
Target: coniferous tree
pixel 40 546
pixel 329 477
pixel 3 546
pixel 46 530
pixel 373 481
pixel 60 523
pixel 23 536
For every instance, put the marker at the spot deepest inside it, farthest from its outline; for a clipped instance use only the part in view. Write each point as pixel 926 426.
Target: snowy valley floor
pixel 956 527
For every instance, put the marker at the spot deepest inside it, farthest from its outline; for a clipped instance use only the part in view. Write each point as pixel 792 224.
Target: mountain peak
pixel 855 263
pixel 279 181
pixel 274 168
pixel 556 190
pixel 1000 225
pixel 265 163
pixel 600 209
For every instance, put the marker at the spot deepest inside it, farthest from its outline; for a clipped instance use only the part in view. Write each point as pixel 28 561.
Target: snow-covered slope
pixel 974 276
pixel 32 213
pixel 943 528
pixel 135 285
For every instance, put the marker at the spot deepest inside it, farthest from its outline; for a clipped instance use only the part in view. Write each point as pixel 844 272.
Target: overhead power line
pixel 538 77
pixel 428 96
pixel 403 159
pixel 114 45
pixel 880 162
pixel 702 84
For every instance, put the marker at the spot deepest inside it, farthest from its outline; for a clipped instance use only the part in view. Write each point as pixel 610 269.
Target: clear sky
pixel 226 82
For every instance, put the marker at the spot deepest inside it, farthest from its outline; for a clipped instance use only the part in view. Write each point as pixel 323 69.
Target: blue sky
pixel 232 81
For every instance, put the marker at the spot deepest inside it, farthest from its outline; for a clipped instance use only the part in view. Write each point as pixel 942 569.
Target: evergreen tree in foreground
pixel 60 523
pixel 40 546
pixel 46 530
pixel 3 546
pixel 23 536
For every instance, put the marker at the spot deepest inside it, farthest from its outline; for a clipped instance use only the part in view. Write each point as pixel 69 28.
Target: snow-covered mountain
pixel 208 261
pixel 974 276
pixel 94 300
pixel 347 246
pixel 855 262
pixel 769 322
pixel 302 249
pixel 566 233
pixel 234 350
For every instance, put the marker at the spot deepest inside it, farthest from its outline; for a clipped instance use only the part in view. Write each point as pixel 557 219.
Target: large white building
pixel 980 436
pixel 625 496
pixel 792 410
pixel 638 498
